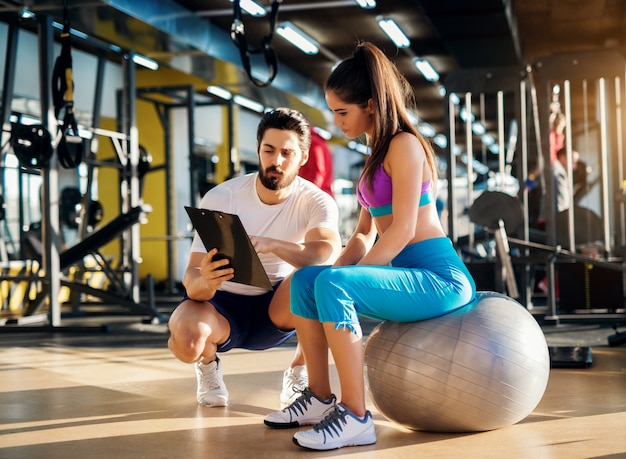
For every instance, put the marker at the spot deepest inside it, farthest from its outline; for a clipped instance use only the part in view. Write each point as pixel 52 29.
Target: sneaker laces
pixel 298 382
pixel 211 377
pixel 298 390
pixel 299 406
pixel 333 422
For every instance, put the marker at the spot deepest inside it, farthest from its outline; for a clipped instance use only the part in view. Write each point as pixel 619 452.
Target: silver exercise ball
pixel 478 368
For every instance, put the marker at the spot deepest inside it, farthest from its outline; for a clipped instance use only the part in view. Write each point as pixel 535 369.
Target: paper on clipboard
pixel 225 232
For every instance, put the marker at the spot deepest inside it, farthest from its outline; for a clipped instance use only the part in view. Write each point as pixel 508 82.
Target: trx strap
pixel 70 147
pixel 238 36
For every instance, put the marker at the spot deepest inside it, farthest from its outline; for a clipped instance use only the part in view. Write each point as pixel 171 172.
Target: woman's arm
pixel 360 242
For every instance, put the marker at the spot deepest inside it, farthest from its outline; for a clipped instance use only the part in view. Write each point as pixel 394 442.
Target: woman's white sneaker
pixel 305 410
pixel 338 429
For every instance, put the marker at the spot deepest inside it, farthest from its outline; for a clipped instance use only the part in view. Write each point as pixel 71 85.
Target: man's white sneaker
pixel 339 428
pixel 211 388
pixel 295 380
pixel 306 410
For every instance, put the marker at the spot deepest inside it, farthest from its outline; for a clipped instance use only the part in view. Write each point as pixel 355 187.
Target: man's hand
pixel 262 244
pixel 215 269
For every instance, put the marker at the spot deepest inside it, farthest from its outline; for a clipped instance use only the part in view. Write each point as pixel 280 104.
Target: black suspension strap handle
pixel 237 34
pixel 70 147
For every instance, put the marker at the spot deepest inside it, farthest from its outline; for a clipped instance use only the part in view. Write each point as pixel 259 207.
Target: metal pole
pixel 9 71
pixel 92 171
pixel 524 195
pixel 620 155
pixel 453 231
pixel 133 198
pixel 604 155
pixel 470 164
pixel 501 137
pixel 570 175
pixel 50 176
pixel 524 159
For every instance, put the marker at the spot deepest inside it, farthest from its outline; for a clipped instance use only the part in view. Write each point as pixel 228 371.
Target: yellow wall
pixel 153 248
pixel 108 184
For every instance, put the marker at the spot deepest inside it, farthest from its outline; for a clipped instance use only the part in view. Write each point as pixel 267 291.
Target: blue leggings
pixel 425 280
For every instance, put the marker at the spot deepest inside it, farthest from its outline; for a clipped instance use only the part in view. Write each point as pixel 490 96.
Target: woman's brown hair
pixel 369 74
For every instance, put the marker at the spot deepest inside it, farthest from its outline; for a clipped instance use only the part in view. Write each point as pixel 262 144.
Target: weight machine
pixel 526 95
pixel 48 279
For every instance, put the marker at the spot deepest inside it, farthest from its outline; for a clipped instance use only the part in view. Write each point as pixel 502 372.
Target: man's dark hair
pixel 288 120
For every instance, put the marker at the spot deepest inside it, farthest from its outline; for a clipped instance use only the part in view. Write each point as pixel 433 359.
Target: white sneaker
pixel 340 428
pixel 306 410
pixel 295 380
pixel 211 388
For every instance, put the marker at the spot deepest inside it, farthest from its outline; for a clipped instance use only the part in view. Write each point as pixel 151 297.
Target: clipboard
pixel 225 232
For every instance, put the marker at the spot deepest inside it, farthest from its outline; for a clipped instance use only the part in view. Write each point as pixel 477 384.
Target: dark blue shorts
pixel 250 324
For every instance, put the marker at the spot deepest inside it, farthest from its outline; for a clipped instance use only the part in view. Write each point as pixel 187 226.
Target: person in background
pixel 291 224
pixel 319 167
pixel 562 195
pixel 557 131
pixel 397 265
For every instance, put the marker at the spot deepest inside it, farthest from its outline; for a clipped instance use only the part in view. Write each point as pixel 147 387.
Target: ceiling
pixel 466 41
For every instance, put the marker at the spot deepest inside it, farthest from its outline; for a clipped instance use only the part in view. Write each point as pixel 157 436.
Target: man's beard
pixel 276 183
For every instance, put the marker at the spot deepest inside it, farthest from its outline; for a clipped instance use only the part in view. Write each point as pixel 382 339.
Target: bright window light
pixel 488 139
pixel 323 133
pixel 480 167
pixel 145 62
pixel 27 14
pixel 85 133
pixel 426 130
pixel 394 32
pixel 426 69
pixel 26 120
pixel 76 33
pixel 478 128
pixel 367 4
pixel 441 141
pixel 412 118
pixel 359 147
pixel 252 8
pixel 464 116
pixel 220 92
pixel 249 103
pixel 298 38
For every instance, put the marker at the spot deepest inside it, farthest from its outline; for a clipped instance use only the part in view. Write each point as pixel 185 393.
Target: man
pixel 291 223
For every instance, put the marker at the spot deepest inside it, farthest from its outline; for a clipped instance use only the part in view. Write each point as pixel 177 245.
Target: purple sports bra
pixel 378 199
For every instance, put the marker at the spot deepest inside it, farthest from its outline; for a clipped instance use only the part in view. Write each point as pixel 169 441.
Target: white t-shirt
pixel 306 208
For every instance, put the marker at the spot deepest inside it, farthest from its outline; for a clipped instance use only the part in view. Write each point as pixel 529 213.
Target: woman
pixel 411 273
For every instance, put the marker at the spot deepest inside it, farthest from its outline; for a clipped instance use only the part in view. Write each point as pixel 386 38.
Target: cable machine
pixel 48 279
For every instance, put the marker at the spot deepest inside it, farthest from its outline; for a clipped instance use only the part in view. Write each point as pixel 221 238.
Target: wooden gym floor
pixel 120 394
